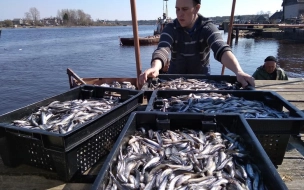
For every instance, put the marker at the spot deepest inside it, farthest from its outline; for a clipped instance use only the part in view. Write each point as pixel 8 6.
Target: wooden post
pixel 230 29
pixel 237 33
pixel 136 39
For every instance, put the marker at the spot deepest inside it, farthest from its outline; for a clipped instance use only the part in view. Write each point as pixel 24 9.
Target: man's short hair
pixel 270 58
pixel 197 1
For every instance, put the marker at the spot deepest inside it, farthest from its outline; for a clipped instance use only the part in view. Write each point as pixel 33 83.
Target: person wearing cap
pixel 188 41
pixel 270 70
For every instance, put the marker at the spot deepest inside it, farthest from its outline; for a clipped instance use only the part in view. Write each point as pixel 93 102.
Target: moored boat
pixel 149 40
pixel 75 80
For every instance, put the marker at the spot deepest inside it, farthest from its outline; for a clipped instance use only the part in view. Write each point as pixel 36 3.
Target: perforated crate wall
pixel 274 145
pixel 33 153
pixel 100 145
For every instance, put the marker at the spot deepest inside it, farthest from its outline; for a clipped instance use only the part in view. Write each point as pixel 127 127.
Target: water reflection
pixel 291 58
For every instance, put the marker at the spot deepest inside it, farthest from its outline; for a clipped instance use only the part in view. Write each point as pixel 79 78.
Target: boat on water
pixel 153 39
pixel 148 40
pixel 75 80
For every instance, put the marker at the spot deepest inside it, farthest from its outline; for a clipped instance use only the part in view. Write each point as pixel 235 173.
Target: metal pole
pixel 230 29
pixel 163 6
pixel 136 39
pixel 166 8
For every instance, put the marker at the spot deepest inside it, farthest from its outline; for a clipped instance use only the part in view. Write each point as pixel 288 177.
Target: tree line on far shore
pixel 73 17
pixel 65 17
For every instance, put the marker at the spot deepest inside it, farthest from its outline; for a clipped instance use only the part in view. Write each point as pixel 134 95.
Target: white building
pixel 18 21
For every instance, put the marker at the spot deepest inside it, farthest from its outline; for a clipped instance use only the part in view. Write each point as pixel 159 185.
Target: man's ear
pixel 197 8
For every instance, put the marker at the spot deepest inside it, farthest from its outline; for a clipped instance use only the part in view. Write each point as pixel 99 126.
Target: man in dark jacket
pixel 188 40
pixel 270 71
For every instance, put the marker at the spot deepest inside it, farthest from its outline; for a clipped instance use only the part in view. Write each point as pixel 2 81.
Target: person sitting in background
pixel 269 71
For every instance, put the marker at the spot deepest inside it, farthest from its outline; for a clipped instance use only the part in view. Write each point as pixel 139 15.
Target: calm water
pixel 33 61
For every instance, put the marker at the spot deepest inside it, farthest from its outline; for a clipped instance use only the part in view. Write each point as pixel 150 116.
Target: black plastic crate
pixel 273 133
pixel 162 121
pixel 218 78
pixel 77 150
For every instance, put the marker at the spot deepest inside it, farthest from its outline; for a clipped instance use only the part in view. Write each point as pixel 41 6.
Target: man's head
pixel 270 64
pixel 186 12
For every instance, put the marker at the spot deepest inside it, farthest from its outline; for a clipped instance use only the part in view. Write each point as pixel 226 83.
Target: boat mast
pixel 166 8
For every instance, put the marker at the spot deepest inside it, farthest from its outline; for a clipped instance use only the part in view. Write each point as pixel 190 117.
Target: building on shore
pixel 293 9
pixel 52 21
pixel 18 21
pixel 276 17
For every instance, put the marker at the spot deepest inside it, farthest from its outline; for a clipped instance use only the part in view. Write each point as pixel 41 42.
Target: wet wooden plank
pixel 293 97
pixel 292 168
pixel 28 177
pixel 32 182
pixel 293 81
pixel 281 87
pixel 299 105
pixel 291 90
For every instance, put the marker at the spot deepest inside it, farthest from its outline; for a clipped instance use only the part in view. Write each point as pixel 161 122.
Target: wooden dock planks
pixel 291 90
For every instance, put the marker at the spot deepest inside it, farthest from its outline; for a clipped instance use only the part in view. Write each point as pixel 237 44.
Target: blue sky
pixel 120 9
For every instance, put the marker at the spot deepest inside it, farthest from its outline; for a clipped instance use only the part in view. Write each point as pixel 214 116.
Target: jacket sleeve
pixel 282 74
pixel 215 41
pixel 166 40
pixel 285 77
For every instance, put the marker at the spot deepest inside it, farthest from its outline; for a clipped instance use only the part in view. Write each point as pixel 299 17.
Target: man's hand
pixel 152 73
pixel 245 79
pixel 230 61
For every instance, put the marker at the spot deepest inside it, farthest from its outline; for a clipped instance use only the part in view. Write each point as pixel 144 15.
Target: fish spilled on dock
pixel 62 117
pixel 190 84
pixel 215 103
pixel 185 159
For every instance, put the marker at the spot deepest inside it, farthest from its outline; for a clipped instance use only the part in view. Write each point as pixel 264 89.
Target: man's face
pixel 185 12
pixel 270 66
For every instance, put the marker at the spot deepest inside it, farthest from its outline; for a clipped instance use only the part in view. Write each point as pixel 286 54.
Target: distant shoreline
pixel 65 26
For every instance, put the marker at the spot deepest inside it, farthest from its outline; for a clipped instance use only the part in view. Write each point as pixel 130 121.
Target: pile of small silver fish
pixel 191 84
pixel 184 159
pixel 62 117
pixel 124 85
pixel 214 103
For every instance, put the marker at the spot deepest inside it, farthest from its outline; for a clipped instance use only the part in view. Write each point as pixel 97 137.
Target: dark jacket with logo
pixel 261 74
pixel 190 52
